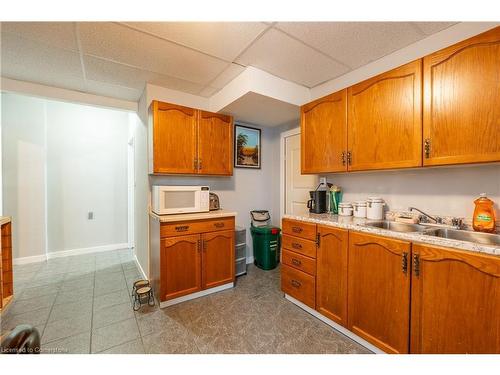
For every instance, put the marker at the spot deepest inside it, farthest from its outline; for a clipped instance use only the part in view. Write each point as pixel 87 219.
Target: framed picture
pixel 247 150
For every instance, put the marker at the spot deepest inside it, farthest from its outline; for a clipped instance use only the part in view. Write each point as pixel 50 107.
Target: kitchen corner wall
pixel 439 190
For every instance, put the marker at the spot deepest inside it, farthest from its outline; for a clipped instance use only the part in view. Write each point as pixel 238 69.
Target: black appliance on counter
pixel 317 203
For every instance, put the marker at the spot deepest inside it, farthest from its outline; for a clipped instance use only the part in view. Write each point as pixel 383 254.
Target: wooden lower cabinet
pixel 180 266
pixel 6 271
pixel 217 258
pixel 455 301
pixel 331 274
pixel 193 262
pixel 379 291
pixel 299 285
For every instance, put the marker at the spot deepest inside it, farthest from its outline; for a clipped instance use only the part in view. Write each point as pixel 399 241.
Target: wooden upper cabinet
pixel 462 102
pixel 379 291
pixel 217 258
pixel 215 144
pixel 331 274
pixel 189 141
pixel 455 302
pixel 324 134
pixel 174 138
pixel 180 267
pixel 385 120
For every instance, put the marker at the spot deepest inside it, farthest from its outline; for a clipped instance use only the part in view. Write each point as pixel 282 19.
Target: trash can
pixel 266 240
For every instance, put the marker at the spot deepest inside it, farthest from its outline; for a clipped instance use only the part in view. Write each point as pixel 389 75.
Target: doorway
pixel 296 186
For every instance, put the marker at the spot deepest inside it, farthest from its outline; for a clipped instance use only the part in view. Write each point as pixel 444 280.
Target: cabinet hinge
pixel 416 264
pixel 318 239
pixel 427 148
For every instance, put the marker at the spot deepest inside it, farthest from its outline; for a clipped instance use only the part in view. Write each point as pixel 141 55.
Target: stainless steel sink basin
pixel 464 235
pixel 396 227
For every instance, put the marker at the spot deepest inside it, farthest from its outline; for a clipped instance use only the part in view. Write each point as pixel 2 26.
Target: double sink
pixel 453 234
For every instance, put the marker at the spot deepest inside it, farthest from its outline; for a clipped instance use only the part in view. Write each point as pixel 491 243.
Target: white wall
pixel 74 157
pixel 440 190
pixel 86 171
pixel 23 159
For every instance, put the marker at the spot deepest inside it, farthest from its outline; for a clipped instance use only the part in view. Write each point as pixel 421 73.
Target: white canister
pixel 359 209
pixel 375 208
pixel 345 209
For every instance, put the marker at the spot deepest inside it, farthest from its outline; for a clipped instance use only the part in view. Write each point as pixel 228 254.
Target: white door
pixel 297 186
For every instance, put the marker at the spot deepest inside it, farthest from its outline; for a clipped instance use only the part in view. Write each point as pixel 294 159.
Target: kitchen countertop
pixel 356 224
pixel 192 216
pixel 4 220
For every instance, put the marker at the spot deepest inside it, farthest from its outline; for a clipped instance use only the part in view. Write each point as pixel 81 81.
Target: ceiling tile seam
pixel 80 52
pixel 170 41
pixel 314 48
pixel 138 68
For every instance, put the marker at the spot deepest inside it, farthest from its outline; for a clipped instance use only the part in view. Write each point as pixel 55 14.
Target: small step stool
pixel 142 293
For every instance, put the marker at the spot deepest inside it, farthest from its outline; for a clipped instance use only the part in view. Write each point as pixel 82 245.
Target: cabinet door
pixel 215 144
pixel 331 278
pixel 324 134
pixel 385 120
pixel 455 306
pixel 218 258
pixel 180 266
pixel 462 102
pixel 174 138
pixel 379 291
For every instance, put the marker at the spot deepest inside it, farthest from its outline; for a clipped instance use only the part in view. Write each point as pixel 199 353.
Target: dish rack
pixel 240 251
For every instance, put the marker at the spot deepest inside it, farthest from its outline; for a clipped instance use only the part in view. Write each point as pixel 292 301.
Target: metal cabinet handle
pixel 404 262
pixel 195 164
pixel 416 264
pixel 199 245
pixel 296 229
pixel 296 262
pixel 427 148
pixel 296 284
pixel 296 245
pixel 342 157
pixel 199 164
pixel 219 225
pixel 182 228
pixel 349 158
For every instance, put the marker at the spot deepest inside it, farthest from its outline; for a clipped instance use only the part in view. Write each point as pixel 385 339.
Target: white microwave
pixel 169 200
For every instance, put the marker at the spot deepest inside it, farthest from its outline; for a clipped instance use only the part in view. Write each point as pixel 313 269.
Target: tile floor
pixel 82 304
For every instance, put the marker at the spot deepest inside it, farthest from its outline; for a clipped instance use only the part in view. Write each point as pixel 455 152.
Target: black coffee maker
pixel 317 203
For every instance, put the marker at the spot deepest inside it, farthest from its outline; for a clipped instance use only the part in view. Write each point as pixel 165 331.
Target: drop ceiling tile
pixel 230 73
pixel 118 74
pixel 32 61
pixel 429 28
pixel 354 43
pixel 56 34
pixel 225 40
pixel 285 57
pixel 124 45
pixel 113 91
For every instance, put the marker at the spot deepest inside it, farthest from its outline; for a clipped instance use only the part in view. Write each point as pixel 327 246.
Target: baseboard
pixel 335 326
pixel 32 259
pixel 250 260
pixel 143 274
pixel 67 253
pixel 87 250
pixel 199 294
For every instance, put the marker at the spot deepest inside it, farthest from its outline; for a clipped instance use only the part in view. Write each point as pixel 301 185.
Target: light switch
pixel 90 215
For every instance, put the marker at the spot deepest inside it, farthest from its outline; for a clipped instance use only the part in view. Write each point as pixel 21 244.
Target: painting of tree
pixel 247 147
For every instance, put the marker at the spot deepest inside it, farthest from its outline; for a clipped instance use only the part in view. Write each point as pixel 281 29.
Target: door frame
pixel 283 136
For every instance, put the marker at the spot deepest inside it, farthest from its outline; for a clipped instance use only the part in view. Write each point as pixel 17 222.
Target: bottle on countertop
pixel 484 215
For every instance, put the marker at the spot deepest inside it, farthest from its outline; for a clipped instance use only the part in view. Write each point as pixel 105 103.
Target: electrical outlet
pixel 90 215
pixel 322 180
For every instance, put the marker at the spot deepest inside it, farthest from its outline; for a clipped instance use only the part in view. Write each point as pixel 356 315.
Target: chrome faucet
pixel 456 222
pixel 436 220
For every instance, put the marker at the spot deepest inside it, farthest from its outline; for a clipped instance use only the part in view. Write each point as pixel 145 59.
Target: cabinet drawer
pixel 195 227
pixel 299 285
pixel 299 261
pixel 298 245
pixel 299 229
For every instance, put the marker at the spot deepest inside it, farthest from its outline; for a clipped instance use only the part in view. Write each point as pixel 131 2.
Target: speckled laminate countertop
pixel 4 220
pixel 356 224
pixel 192 216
